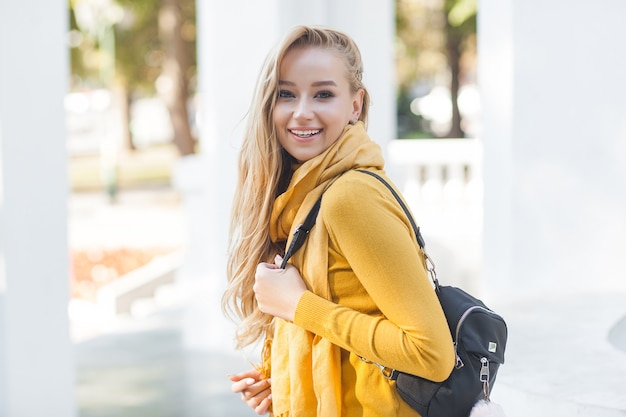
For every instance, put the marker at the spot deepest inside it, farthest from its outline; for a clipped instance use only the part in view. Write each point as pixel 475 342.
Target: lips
pixel 304 133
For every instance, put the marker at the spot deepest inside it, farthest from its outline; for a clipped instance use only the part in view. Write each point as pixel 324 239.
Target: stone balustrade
pixel 439 171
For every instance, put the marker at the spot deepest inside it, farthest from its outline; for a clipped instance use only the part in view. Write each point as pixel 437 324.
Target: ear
pixel 357 103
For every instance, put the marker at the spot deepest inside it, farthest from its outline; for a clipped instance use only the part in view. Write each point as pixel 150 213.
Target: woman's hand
pixel 255 391
pixel 278 290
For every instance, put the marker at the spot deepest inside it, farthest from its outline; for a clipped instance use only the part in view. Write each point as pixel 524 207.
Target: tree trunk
pixel 123 96
pixel 454 61
pixel 174 88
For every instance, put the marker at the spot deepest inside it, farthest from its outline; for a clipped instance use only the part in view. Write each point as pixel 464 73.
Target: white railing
pixel 441 179
pixel 439 171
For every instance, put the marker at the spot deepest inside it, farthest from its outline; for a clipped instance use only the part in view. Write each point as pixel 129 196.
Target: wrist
pixel 294 306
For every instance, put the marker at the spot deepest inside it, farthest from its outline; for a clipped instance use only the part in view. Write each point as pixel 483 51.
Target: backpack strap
pixel 301 232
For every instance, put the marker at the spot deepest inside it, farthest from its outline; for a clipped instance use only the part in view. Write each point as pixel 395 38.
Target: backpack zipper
pixel 459 362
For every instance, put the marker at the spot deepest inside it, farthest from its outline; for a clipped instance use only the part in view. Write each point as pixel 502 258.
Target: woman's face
pixel 314 102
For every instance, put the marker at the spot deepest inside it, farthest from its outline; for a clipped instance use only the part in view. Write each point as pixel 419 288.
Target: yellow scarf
pixel 305 368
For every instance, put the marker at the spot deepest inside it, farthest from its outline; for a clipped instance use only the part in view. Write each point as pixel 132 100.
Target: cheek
pixel 278 119
pixel 275 115
pixel 279 116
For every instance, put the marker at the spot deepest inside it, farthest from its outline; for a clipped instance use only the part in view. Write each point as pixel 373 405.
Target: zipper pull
pixel 459 362
pixel 484 370
pixel 484 377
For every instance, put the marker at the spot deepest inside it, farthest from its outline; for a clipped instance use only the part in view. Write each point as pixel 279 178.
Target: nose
pixel 303 110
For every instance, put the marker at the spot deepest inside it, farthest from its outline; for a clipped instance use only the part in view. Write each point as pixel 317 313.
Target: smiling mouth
pixel 305 133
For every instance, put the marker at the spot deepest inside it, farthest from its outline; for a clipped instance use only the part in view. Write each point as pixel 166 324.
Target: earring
pixel 354 120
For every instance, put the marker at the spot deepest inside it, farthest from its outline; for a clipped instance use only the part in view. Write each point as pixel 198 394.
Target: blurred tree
pixel 153 52
pixel 460 29
pixel 138 56
pixel 432 37
pixel 419 58
pixel 178 35
pixel 419 42
pixel 92 40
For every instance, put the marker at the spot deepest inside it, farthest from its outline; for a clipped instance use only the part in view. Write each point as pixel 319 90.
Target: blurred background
pixel 502 122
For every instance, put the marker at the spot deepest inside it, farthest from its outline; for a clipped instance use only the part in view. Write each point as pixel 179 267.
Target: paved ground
pixel 561 359
pixel 142 369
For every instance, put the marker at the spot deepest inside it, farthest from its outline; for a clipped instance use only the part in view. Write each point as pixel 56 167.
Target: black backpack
pixel 479 336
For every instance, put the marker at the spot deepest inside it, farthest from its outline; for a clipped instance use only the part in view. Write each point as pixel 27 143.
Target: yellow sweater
pixel 383 307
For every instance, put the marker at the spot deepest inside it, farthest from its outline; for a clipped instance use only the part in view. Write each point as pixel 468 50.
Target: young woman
pixel 357 288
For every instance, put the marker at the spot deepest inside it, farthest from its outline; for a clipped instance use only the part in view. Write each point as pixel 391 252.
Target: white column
pixel 495 78
pixel 555 143
pixel 36 360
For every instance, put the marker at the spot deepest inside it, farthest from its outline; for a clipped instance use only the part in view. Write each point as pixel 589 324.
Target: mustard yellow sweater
pixel 383 307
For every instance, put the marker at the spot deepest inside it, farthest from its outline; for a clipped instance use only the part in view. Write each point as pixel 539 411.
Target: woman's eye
pixel 324 94
pixel 285 94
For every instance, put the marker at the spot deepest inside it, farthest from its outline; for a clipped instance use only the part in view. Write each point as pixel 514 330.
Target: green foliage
pixel 433 38
pixel 422 28
pixel 462 13
pixel 420 42
pixel 138 49
pixel 82 53
pixel 461 18
pixel 139 53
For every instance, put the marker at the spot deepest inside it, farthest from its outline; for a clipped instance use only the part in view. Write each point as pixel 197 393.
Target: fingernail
pixel 249 381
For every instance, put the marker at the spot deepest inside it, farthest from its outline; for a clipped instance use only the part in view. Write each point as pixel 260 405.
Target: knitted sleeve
pixel 407 330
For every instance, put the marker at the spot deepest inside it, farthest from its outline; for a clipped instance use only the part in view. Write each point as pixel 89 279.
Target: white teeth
pixel 305 133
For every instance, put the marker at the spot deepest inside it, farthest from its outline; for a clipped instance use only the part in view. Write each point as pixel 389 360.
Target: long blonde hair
pixel 264 173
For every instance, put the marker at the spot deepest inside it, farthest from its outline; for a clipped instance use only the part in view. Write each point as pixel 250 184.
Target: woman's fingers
pixel 252 373
pixel 244 379
pixel 242 385
pixel 255 391
pixel 265 405
pixel 259 401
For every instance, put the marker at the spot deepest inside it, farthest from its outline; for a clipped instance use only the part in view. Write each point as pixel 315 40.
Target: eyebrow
pixel 323 83
pixel 315 84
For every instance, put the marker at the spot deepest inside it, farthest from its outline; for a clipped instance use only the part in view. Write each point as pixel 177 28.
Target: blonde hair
pixel 264 173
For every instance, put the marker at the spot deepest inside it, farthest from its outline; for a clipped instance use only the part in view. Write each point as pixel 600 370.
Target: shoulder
pixel 356 183
pixel 356 190
pixel 361 206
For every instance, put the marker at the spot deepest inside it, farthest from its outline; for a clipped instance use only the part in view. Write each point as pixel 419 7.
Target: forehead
pixel 312 61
